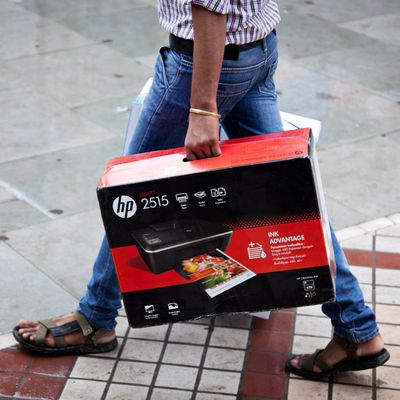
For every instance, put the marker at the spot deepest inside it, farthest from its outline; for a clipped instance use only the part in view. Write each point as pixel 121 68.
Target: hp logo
pixel 124 206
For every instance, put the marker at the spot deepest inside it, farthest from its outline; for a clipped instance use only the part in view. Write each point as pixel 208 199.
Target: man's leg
pixel 256 113
pixel 162 124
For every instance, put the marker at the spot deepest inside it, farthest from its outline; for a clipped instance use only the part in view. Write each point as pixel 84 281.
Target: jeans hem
pixel 357 337
pixel 92 317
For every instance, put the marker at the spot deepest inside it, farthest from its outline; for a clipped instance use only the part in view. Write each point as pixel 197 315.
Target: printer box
pixel 243 232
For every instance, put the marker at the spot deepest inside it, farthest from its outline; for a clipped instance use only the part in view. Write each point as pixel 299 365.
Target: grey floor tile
pixel 34 124
pixel 126 392
pixel 347 111
pixel 74 389
pixel 63 249
pixel 64 180
pixel 44 35
pixel 92 368
pixel 304 35
pixel 224 359
pixel 387 295
pixel 373 66
pixel 341 216
pixel 143 37
pixel 17 214
pixel 151 332
pixel 208 396
pixel 168 394
pixel 174 376
pixel 383 27
pixel 363 170
pixel 339 10
pixel 27 293
pixel 111 114
pixel 83 76
pixel 229 337
pixel 313 326
pixel 134 372
pixel 6 195
pixel 9 79
pixel 234 321
pixel 188 333
pixel 76 9
pixel 142 350
pixel 219 382
pixel 183 354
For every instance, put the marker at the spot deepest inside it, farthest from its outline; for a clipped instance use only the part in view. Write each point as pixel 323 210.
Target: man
pixel 218 69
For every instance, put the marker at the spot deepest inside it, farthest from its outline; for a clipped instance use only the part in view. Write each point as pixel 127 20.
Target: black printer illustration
pixel 163 246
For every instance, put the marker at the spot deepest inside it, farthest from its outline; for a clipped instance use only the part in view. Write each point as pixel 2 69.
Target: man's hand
pixel 209 44
pixel 202 137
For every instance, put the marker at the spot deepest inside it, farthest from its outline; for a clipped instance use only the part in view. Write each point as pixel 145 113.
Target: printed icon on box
pixel 218 192
pixel 173 306
pixel 255 250
pixel 309 285
pixel 181 197
pixel 149 308
pixel 201 194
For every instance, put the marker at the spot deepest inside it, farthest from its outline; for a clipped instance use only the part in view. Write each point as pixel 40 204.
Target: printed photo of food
pixel 218 272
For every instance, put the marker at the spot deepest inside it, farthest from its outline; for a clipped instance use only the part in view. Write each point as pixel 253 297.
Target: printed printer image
pixel 163 246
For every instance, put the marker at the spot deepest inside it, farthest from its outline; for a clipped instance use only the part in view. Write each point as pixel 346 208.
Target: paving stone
pixel 342 216
pixel 311 310
pixel 5 195
pixel 6 340
pixel 92 368
pixel 305 35
pixel 388 244
pixel 64 180
pixel 387 394
pixel 167 394
pixel 151 332
pixel 343 170
pixel 315 326
pixel 75 9
pixel 376 224
pixel 390 277
pixel 64 250
pixel 188 333
pixel 134 372
pixel 363 242
pixel 82 390
pixel 44 35
pixel 347 110
pixel 208 396
pixel 108 114
pixel 300 389
pixel 183 354
pixel 219 382
pixel 39 387
pixel 393 230
pixel 142 350
pixel 234 321
pixel 176 377
pixel 27 115
pixel 349 233
pixel 41 298
pixel 143 37
pixel 344 392
pixel 9 79
pixel 354 65
pixel 126 392
pixel 387 295
pixel 340 10
pixel 122 326
pixel 386 28
pixel 83 76
pixel 18 214
pixel 308 344
pixel 229 337
pixel 355 378
pixel 387 377
pixel 224 359
pixel 363 274
pixel 394 355
pixel 390 333
pixel 388 313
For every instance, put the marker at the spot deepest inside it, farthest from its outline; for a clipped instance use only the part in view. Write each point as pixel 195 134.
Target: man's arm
pixel 209 44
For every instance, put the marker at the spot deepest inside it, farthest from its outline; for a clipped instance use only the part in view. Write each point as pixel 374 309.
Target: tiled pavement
pixel 235 357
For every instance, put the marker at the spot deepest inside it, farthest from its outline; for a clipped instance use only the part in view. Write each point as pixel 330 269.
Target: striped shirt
pixel 247 20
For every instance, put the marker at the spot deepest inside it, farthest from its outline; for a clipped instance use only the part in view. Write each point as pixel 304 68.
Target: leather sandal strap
pixel 41 333
pixel 98 335
pixel 59 341
pixel 84 324
pixel 349 347
pixel 315 359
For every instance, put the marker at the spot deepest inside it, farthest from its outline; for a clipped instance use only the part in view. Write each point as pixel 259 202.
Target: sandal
pixel 91 334
pixel 351 363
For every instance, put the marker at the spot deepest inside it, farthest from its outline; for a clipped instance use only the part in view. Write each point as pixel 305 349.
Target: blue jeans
pixel 248 105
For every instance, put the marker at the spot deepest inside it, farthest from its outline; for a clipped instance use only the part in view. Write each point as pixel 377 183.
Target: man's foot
pixel 66 334
pixel 334 353
pixel 339 355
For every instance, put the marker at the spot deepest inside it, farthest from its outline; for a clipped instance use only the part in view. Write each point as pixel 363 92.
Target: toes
pixel 26 324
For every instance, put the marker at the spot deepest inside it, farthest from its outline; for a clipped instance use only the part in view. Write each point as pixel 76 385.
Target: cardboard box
pixel 243 232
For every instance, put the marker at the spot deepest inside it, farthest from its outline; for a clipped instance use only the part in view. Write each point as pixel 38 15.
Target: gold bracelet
pixel 203 112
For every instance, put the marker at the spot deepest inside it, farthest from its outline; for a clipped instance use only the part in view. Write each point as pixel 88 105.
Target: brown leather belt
pixel 232 51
